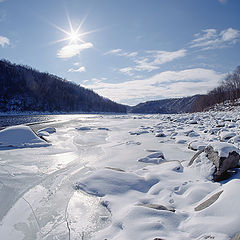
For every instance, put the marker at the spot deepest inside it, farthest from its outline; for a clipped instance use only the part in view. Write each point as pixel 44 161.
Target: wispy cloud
pixel 211 39
pixel 165 84
pixel 72 50
pixel 121 52
pixel 80 69
pixel 152 61
pixel 4 41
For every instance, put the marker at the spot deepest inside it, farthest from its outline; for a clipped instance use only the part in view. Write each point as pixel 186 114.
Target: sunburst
pixel 73 36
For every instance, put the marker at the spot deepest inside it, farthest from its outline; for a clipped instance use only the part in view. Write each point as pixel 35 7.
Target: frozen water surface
pixel 85 180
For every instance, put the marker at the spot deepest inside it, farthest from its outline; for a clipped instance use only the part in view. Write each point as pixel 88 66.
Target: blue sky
pixel 130 50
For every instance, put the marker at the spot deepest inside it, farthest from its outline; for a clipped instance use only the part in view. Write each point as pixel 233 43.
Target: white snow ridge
pixel 122 177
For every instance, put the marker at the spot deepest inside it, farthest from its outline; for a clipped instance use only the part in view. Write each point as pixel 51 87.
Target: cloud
pixel 72 50
pixel 211 39
pixel 149 62
pixel 127 71
pixel 152 61
pixel 4 41
pixel 113 51
pixel 165 84
pixel 121 52
pixel 159 58
pixel 80 69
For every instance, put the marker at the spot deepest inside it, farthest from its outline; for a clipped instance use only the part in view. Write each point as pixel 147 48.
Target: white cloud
pixel 80 69
pixel 153 60
pixel 230 34
pixel 72 50
pixel 166 84
pixel 113 51
pixel 210 39
pixel 121 52
pixel 4 41
pixel 127 71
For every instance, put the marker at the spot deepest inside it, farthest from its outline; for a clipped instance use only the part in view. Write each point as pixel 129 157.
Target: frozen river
pixel 96 175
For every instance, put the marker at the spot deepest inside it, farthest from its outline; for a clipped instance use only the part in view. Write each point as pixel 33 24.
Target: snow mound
pixel 19 137
pixel 107 181
pixel 223 212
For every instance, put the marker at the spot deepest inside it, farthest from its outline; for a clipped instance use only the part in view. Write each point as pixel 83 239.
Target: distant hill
pixel 25 89
pixel 165 106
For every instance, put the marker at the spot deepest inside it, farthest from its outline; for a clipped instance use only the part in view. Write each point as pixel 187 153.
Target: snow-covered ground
pixel 118 177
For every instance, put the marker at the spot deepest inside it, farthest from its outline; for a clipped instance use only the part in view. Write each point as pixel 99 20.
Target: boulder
pixel 224 156
pixel 236 237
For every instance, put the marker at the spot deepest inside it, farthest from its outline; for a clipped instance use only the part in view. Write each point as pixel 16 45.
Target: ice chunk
pixel 19 137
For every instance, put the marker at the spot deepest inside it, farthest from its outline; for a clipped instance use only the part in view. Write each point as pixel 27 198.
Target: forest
pixel 23 88
pixel 228 89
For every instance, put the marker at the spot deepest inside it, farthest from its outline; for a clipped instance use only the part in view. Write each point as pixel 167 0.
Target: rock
pixel 236 237
pixel 208 202
pixel 160 134
pixel 225 136
pixel 224 156
pixel 195 145
pixel 192 122
pixel 83 128
pixel 115 169
pixel 158 207
pixel 222 164
pixel 195 157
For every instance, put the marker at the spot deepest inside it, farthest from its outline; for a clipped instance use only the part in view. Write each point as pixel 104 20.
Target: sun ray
pixel 73 35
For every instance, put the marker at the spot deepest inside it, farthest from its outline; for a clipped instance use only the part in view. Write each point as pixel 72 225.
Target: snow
pixel 224 149
pixel 110 177
pixel 19 137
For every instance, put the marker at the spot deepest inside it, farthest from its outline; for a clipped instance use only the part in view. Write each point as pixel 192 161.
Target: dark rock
pixel 236 237
pixel 208 202
pixel 158 207
pixel 222 164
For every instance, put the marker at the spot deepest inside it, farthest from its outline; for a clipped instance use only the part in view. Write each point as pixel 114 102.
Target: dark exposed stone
pixel 158 207
pixel 222 164
pixel 208 202
pixel 236 237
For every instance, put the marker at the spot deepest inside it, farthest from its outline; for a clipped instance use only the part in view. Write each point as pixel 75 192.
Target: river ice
pixel 103 176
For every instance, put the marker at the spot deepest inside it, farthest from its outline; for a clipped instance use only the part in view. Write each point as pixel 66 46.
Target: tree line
pixel 23 88
pixel 228 89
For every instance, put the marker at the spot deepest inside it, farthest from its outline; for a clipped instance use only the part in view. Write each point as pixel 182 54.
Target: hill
pixel 25 89
pixel 166 106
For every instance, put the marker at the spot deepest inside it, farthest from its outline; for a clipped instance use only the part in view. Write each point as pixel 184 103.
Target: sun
pixel 73 35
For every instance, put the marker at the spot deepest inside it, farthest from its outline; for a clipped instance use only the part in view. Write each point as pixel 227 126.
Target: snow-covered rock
pixel 224 156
